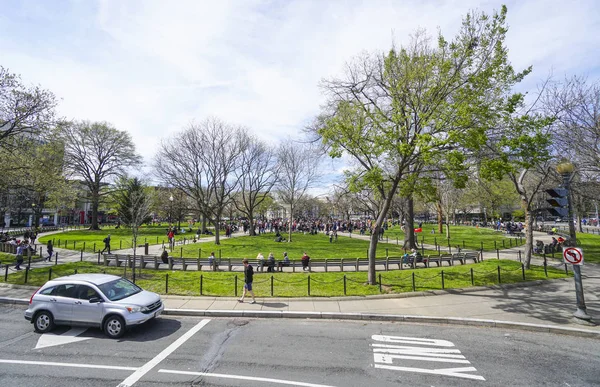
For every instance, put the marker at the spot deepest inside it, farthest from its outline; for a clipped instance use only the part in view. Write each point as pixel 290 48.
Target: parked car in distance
pixel 105 301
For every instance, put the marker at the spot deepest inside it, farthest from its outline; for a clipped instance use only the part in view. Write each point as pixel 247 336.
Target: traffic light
pixel 558 201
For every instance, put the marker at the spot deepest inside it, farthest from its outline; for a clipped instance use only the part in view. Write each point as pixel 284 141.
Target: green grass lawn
pixel 467 237
pixel 296 284
pixel 121 238
pixel 316 246
pixel 6 258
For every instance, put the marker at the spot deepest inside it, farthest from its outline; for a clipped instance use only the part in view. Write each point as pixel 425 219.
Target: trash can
pixel 146 248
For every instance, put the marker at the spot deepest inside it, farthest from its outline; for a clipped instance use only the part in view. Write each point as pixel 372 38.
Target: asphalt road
pixel 250 352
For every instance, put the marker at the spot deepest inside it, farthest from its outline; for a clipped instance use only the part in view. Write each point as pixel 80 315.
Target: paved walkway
pixel 544 302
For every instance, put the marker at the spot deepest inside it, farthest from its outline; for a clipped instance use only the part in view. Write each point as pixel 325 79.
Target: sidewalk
pixel 549 305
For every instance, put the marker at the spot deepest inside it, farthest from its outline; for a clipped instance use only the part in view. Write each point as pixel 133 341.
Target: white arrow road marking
pixel 70 336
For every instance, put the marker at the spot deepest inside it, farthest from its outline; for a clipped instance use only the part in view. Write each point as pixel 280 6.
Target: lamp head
pixel 565 167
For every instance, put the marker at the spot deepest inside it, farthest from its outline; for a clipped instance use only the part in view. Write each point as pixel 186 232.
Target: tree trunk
pixel 217 229
pixel 528 233
pixel 290 225
pixel 409 227
pixel 251 231
pixel 95 205
pixel 440 216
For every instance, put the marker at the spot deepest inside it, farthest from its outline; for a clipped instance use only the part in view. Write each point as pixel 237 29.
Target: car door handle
pixel 53 299
pixel 78 302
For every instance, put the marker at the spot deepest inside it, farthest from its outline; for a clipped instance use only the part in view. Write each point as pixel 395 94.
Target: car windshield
pixel 119 289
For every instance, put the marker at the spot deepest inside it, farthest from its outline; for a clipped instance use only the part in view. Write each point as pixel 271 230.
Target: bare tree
pixel 97 152
pixel 24 111
pixel 134 205
pixel 298 171
pixel 201 161
pixel 257 174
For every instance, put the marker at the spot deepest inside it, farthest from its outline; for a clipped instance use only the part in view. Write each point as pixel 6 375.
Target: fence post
pixel 308 284
pixel 472 280
pixel 497 254
pixel 166 283
pixel 98 257
pixel 181 252
pixel 120 245
pixel 26 273
pixel 236 286
pixel 271 285
pixel 50 273
pixel 81 256
pixel 84 245
pixel 201 278
pixel 566 269
pixel 344 284
pixel 523 271
pixel 499 279
pixel 520 256
pixel 545 267
pixel 413 281
pixel 380 289
pixel 443 280
pixel 56 258
pixel 386 252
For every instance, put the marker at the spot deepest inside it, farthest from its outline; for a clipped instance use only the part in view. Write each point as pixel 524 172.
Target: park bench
pixel 464 257
pixel 117 258
pixel 185 262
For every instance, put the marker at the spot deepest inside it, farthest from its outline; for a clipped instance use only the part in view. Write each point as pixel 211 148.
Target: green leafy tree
pixel 398 112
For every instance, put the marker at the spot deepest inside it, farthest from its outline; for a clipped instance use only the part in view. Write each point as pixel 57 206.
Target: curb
pixel 387 317
pixel 365 317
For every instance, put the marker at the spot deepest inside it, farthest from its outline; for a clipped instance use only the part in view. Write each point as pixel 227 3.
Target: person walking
pixel 49 250
pixel 106 244
pixel 248 277
pixel 20 248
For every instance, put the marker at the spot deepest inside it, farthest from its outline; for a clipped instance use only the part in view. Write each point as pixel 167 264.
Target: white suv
pixel 105 301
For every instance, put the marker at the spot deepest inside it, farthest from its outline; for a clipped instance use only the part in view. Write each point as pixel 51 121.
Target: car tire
pixel 43 322
pixel 114 327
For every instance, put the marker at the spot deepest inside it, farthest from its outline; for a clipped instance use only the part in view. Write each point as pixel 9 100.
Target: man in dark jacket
pixel 248 277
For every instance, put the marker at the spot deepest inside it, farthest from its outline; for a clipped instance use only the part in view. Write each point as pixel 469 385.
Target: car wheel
pixel 44 322
pixel 114 327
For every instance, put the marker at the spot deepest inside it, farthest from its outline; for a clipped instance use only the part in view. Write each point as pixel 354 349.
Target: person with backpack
pixel 106 244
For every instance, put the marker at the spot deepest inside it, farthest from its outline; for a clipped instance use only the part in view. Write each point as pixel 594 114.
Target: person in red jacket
pixel 305 260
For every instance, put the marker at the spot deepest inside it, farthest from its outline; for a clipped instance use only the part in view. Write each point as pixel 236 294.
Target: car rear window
pixel 119 289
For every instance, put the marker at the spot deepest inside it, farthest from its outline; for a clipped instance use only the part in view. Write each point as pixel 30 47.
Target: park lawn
pixel 316 246
pixel 120 238
pixel 7 259
pixel 467 237
pixel 296 284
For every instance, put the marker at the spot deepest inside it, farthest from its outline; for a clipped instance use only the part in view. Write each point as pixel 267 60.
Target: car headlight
pixel 135 309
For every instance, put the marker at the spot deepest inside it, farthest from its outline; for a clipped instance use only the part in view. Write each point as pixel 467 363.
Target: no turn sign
pixel 573 255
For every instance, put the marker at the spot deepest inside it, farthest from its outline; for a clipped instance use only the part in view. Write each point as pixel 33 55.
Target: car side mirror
pixel 95 300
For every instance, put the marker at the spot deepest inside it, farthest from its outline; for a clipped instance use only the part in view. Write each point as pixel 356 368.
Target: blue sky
pixel 151 67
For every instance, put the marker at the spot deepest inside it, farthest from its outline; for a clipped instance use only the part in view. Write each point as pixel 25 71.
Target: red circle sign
pixel 573 255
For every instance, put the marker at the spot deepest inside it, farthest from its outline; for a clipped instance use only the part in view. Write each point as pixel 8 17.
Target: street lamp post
pixel 170 208
pixel 565 169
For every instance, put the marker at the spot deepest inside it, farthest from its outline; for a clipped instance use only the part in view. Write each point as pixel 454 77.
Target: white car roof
pixel 96 279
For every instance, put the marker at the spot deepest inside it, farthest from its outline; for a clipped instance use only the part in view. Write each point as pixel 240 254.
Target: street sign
pixel 573 255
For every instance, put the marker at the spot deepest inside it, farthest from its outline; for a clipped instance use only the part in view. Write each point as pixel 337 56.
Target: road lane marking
pixel 458 372
pixel 143 370
pixel 385 354
pixel 52 339
pixel 241 377
pixel 74 365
